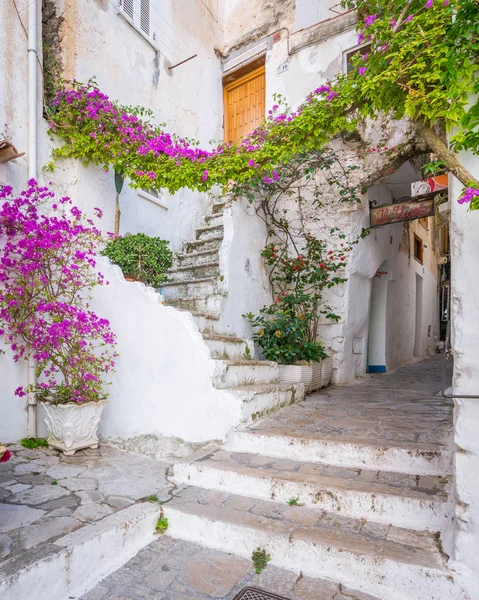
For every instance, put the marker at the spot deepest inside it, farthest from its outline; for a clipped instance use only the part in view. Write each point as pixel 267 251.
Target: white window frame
pixel 135 21
pixel 350 51
pixel 160 200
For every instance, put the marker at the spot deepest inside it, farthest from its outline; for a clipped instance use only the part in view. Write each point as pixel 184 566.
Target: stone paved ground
pixel 171 569
pixel 44 495
pixel 402 407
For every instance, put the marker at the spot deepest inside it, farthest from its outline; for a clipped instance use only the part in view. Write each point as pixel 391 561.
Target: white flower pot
pixel 73 426
pixel 316 376
pixel 296 374
pixel 326 371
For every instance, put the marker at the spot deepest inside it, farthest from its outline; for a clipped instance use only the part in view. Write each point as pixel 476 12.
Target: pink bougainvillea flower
pixel 204 177
pixel 429 3
pixel 468 195
pixel 369 20
pixel 362 70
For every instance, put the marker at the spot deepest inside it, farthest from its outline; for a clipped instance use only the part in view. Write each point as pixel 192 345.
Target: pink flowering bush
pixel 47 271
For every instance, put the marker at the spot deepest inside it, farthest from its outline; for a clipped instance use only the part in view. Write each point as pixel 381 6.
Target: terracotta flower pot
pixel 73 426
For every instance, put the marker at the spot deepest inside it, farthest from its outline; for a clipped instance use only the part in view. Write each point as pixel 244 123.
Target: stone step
pixel 197 304
pixel 190 272
pixel 261 399
pixel 212 243
pixel 384 561
pixel 229 347
pixel 210 232
pixel 419 503
pixel 196 258
pixel 77 561
pixel 203 287
pixel 232 373
pixel 206 321
pixel 218 207
pixel 214 219
pixel 340 451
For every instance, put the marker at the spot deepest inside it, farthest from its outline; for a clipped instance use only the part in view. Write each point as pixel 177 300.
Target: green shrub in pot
pixel 141 257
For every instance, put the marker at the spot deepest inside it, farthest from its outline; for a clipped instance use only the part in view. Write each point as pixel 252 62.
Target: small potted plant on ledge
pixel 47 270
pixel 141 258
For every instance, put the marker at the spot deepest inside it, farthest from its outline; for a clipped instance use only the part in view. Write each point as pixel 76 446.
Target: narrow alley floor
pixel 402 409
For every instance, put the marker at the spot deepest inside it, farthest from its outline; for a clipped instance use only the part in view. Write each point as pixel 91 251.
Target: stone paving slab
pixel 401 408
pixel 45 495
pixel 171 569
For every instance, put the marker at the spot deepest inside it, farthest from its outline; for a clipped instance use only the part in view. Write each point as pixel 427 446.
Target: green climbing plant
pixel 422 63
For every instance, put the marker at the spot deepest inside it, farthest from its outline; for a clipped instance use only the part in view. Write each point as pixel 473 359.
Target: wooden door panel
pixel 244 102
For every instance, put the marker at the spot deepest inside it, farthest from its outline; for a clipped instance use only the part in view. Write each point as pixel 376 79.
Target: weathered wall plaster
pixel 465 344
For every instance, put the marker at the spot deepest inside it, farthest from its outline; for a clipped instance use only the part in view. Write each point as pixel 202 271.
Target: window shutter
pixel 138 12
pixel 145 16
pixel 128 8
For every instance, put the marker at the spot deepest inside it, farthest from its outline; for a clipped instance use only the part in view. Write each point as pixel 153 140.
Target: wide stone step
pixel 229 347
pixel 419 503
pixel 190 272
pixel 261 399
pixel 197 304
pixel 212 243
pixel 77 561
pixel 381 560
pixel 191 287
pixel 339 451
pixel 231 373
pixel 196 258
pixel 209 232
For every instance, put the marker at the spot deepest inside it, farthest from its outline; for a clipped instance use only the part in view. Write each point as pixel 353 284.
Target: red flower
pixel 6 456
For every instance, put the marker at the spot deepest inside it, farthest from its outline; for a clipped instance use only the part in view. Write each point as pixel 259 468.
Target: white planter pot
pixel 316 376
pixel 73 426
pixel 326 371
pixel 296 374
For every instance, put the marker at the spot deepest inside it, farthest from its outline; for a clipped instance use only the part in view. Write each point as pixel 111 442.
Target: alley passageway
pixel 402 408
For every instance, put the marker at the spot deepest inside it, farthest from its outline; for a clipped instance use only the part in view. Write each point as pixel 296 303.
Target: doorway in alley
pixel 378 319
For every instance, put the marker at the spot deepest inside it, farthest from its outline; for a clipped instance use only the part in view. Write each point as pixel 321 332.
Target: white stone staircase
pixel 196 285
pixel 376 531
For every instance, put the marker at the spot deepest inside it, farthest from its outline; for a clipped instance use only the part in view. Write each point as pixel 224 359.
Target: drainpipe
pixel 32 173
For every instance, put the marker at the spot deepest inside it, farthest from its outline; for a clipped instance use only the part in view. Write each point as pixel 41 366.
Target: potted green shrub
pixel 282 333
pixel 46 266
pixel 141 257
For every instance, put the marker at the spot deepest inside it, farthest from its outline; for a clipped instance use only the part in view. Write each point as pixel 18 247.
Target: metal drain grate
pixel 252 593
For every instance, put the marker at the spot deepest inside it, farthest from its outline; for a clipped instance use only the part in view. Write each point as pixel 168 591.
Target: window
pixel 154 196
pixel 347 56
pixel 137 12
pixel 418 249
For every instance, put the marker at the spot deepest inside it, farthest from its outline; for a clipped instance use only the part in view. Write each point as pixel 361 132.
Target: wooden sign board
pixel 404 211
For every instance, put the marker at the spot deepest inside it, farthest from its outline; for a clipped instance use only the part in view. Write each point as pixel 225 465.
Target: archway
pixel 377 320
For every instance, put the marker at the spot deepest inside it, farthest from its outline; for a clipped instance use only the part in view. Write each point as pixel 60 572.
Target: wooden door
pixel 244 101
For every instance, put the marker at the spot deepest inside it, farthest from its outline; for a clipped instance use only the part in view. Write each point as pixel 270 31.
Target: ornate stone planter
pixel 73 426
pixel 296 374
pixel 326 371
pixel 316 377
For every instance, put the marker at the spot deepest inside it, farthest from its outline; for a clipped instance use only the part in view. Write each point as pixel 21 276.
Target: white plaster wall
pixel 243 268
pixel 163 380
pixel 13 126
pixel 465 344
